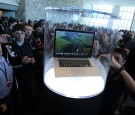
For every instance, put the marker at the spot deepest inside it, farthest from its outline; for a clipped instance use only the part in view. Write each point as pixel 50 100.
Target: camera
pixel 11 39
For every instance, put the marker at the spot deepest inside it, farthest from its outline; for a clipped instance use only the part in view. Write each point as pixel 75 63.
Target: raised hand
pixel 4 38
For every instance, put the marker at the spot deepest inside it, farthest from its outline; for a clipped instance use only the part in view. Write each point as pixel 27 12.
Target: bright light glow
pixel 99 22
pixel 126 14
pixel 75 17
pixel 1 13
pixel 104 8
pixel 101 19
pixel 74 87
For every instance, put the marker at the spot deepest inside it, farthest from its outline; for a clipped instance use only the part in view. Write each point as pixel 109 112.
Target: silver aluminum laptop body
pixel 73 47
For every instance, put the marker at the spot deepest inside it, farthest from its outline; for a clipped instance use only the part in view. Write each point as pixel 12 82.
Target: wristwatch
pixel 120 69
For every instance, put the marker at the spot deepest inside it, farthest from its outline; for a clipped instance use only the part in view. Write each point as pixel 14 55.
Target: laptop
pixel 72 53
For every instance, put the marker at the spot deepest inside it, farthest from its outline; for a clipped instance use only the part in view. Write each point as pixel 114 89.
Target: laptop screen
pixel 71 43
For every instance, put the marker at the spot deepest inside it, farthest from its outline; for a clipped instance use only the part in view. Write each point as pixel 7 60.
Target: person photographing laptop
pixel 117 81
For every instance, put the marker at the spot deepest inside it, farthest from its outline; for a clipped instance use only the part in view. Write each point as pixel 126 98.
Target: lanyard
pixel 4 71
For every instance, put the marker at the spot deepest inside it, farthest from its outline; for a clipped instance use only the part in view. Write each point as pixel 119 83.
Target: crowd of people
pixel 22 46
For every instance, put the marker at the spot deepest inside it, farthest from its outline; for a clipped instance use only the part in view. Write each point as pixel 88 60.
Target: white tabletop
pixel 74 87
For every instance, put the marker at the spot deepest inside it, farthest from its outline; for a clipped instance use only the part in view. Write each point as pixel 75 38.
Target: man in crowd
pixel 20 55
pixel 96 48
pixel 29 36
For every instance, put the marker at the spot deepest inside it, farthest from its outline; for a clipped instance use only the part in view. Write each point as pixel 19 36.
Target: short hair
pixel 12 21
pixel 36 25
pixel 27 24
pixel 122 52
pixel 18 27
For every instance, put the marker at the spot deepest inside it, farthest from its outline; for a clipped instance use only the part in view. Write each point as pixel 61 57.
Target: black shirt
pixel 16 52
pixel 113 90
pixel 130 63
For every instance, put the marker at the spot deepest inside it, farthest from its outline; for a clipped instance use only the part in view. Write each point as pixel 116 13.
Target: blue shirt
pixel 6 77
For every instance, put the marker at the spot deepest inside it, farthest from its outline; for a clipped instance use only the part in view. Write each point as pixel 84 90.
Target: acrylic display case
pixel 77 16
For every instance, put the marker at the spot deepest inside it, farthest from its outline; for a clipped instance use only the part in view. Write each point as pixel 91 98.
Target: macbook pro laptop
pixel 72 53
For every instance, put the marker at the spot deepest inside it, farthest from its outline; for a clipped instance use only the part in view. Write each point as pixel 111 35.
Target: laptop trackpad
pixel 70 72
pixel 78 72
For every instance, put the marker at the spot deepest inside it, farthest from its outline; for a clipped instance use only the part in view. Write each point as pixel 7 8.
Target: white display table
pixel 75 87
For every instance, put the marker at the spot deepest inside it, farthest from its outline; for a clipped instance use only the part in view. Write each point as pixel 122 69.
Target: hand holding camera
pixel 4 38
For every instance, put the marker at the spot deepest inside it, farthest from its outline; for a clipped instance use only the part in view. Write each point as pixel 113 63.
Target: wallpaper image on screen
pixel 73 42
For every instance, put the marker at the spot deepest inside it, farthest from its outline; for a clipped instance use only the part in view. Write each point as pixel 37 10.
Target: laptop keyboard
pixel 74 63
